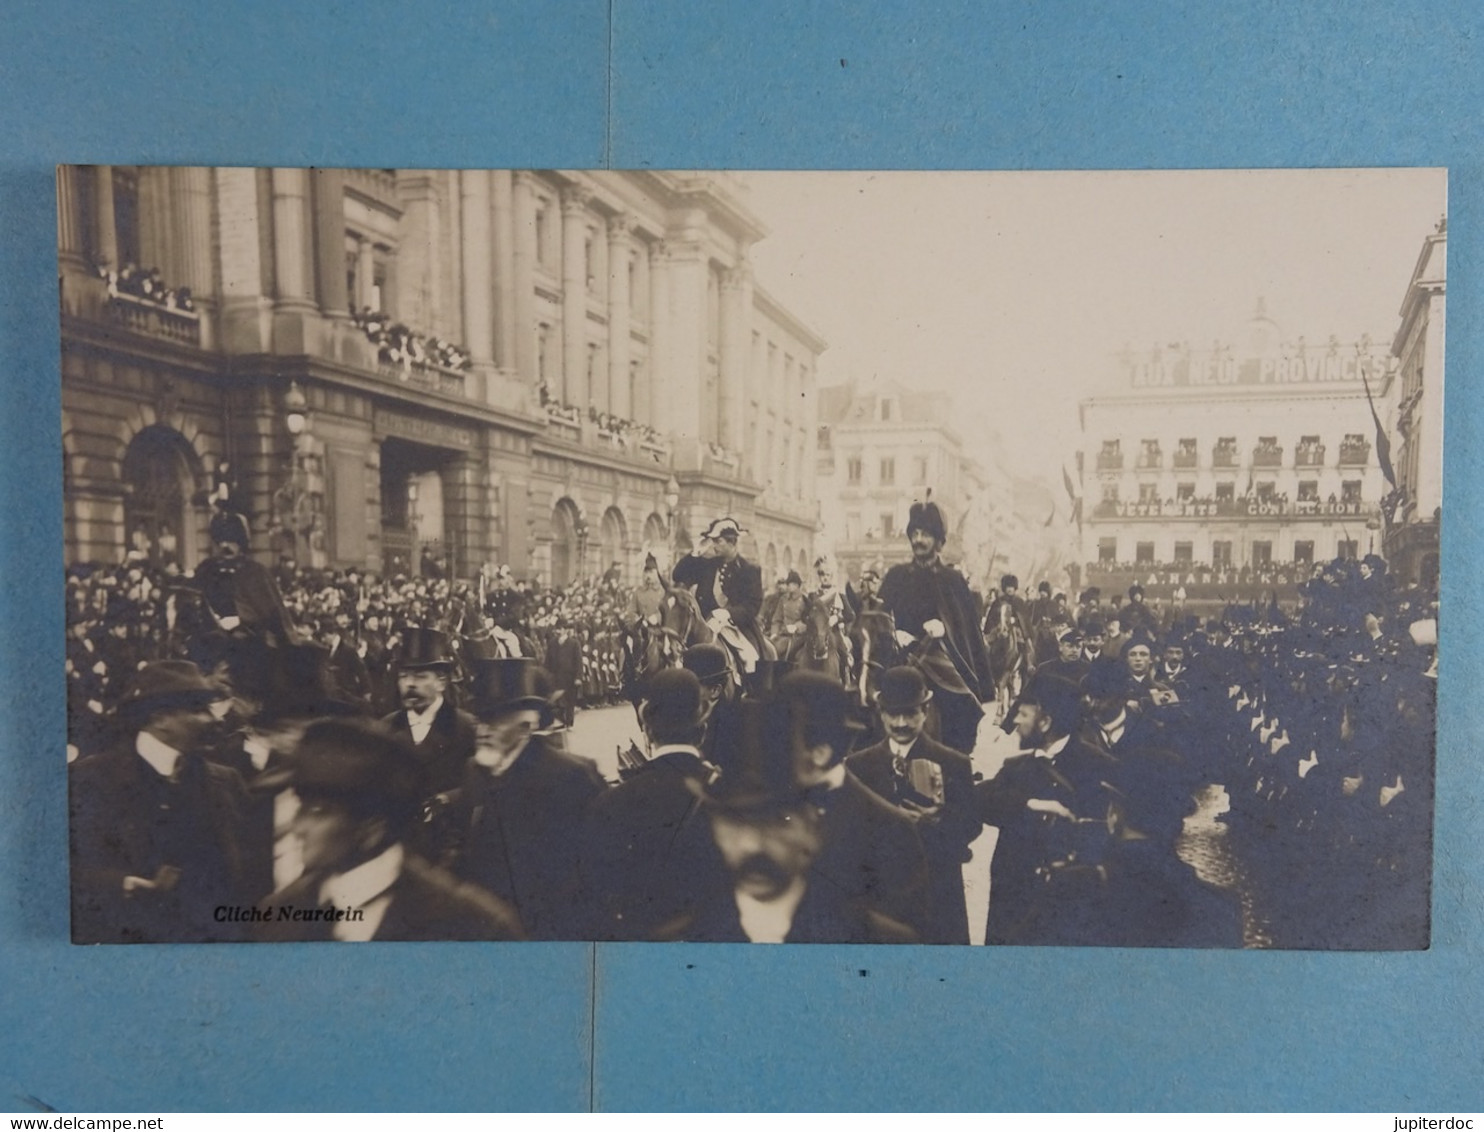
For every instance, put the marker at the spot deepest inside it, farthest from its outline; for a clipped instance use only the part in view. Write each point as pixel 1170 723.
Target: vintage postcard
pixel 926 558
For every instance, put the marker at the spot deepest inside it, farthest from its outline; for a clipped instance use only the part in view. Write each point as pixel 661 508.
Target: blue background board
pixel 1046 85
pixel 437 1026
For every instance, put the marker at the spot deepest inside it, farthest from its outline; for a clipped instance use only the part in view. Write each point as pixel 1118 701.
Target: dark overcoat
pixel 448 745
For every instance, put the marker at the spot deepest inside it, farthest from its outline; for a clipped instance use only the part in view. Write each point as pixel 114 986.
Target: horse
pixel 649 648
pixel 823 647
pixel 1011 655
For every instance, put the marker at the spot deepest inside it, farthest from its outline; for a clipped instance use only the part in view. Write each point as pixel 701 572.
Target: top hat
pixel 761 775
pixel 424 648
pixel 902 689
pixel 927 517
pixel 165 685
pixel 361 763
pixel 723 528
pixel 1105 677
pixel 819 708
pixel 507 684
pixel 709 663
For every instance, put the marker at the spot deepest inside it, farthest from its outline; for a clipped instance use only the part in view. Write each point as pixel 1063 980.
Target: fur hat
pixel 927 517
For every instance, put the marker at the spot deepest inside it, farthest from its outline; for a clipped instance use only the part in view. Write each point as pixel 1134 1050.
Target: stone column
pixel 619 250
pixel 70 250
pixel 478 288
pixel 365 272
pixel 105 221
pixel 523 260
pixel 294 309
pixel 191 189
pixel 329 241
pixel 574 297
pixel 687 268
pixel 154 221
pixel 736 345
pixel 244 310
pixel 502 256
pixel 658 414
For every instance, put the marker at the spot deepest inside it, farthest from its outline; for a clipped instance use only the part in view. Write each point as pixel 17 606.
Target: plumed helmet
pixel 927 517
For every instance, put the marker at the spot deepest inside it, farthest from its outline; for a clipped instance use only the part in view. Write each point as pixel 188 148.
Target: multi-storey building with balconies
pixel 882 447
pixel 556 370
pixel 1251 454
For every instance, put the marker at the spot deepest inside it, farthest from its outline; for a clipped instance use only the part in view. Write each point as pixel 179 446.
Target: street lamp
pixel 296 409
pixel 672 501
pixel 296 505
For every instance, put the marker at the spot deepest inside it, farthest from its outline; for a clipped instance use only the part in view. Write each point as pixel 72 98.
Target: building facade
pixel 1412 537
pixel 562 371
pixel 1251 454
pixel 881 447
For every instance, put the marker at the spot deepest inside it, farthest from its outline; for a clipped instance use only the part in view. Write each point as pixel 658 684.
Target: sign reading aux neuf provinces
pixel 1329 367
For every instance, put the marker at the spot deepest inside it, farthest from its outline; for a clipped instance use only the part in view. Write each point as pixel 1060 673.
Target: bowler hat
pixel 902 689
pixel 670 701
pixel 708 662
pixel 929 518
pixel 361 763
pixel 166 685
pixel 424 648
pixel 504 685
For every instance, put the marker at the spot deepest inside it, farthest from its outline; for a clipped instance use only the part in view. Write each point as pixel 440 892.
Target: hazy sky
pixel 1014 289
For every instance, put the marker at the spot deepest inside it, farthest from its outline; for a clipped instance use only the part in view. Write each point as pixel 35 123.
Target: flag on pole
pixel 1066 478
pixel 1383 443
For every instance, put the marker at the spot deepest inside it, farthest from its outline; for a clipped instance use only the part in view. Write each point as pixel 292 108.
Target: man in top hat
pixel 786 624
pixel 932 782
pixel 158 830
pixel 729 590
pixel 360 793
pixel 871 856
pixel 642 834
pixel 1049 803
pixel 441 736
pixel 239 591
pixel 516 824
pixel 937 619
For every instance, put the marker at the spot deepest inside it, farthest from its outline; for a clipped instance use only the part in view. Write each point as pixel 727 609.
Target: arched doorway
pixel 770 564
pixel 565 552
pixel 157 483
pixel 657 540
pixel 612 534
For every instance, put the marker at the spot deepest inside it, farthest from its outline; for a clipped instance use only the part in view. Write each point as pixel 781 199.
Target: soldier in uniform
pixel 786 624
pixel 729 590
pixel 937 620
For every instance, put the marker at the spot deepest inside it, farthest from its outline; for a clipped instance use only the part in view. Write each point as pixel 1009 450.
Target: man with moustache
pixel 938 622
pixel 441 736
pixel 729 590
pixel 933 783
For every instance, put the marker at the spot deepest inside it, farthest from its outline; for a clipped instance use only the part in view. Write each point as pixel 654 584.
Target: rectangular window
pixel 1266 489
pixel 888 471
pixel 1350 491
pixel 1184 552
pixel 852 526
pixel 887 530
pixel 920 471
pixel 1262 553
pixel 1308 491
pixel 1184 492
pixel 1221 554
pixel 1144 553
pixel 1348 548
pixel 853 470
pixel 1110 493
pixel 1149 493
pixel 1226 492
pixel 1303 551
pixel 1108 550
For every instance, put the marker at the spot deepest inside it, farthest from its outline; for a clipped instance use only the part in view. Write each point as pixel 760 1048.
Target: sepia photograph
pixel 985 558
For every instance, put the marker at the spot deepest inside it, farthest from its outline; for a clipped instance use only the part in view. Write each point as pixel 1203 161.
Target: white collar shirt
pixel 161 757
pixel 421 723
pixel 365 889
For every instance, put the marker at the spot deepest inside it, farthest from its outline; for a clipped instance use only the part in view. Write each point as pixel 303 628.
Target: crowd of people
pixel 340 756
pixel 399 345
pixel 147 284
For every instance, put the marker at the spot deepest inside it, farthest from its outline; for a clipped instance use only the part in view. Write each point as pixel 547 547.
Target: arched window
pixel 157 479
pixel 564 550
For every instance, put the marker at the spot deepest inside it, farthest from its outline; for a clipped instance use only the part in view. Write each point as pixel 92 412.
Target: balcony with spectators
pixel 1355 451
pixel 1110 459
pixel 1268 453
pixel 1308 453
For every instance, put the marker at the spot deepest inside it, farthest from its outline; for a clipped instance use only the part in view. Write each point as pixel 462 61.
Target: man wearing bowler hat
pixel 360 793
pixel 515 825
pixel 938 621
pixel 713 669
pixel 157 830
pixel 642 835
pixel 441 736
pixel 932 782
pixel 870 853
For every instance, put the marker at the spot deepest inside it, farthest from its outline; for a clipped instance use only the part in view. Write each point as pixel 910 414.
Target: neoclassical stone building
pixel 558 370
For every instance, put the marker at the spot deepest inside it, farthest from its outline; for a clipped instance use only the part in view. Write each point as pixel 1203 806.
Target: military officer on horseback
pixel 729 590
pixel 937 623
